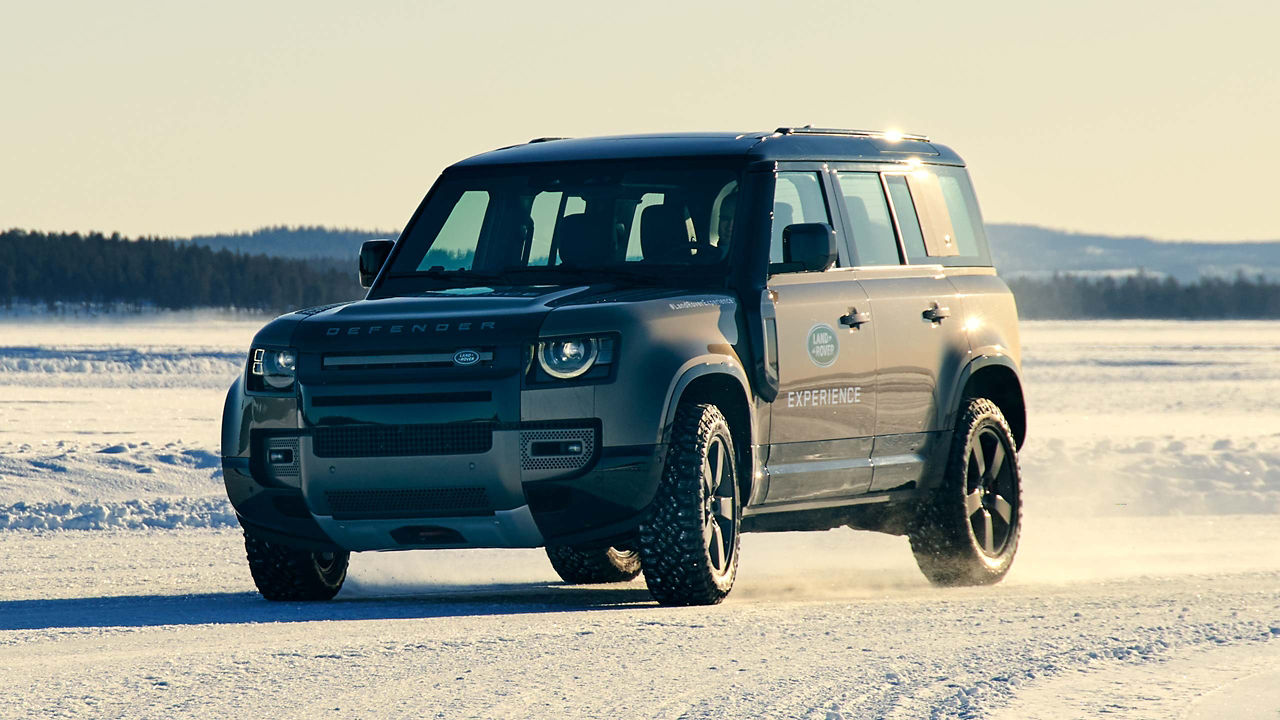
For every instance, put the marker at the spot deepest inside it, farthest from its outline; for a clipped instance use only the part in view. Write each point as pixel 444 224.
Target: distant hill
pixel 1053 274
pixel 1019 251
pixel 308 241
pixel 1031 251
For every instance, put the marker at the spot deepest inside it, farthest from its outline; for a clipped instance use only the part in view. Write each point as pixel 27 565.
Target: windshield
pixel 548 223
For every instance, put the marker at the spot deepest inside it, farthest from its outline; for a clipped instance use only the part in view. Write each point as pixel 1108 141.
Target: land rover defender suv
pixel 630 351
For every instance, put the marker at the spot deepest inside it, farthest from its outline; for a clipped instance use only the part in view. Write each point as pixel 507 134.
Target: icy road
pixel 1147 586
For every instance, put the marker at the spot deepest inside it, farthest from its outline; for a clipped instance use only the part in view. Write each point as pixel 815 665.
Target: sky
pixel 180 118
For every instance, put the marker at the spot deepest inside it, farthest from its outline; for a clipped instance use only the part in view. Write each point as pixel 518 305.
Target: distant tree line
pixel 52 268
pixel 304 241
pixel 1143 295
pixel 111 271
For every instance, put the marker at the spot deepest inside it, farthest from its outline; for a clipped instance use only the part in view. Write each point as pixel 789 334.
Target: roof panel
pixel 753 146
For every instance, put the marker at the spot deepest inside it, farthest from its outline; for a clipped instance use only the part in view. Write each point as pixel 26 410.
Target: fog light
pixel 280 457
pixel 555 448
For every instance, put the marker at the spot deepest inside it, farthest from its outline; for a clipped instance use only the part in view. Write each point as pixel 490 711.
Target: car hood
pixel 464 316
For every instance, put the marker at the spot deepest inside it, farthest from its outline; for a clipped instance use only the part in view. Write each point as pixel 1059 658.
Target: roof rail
pixel 544 139
pixel 810 130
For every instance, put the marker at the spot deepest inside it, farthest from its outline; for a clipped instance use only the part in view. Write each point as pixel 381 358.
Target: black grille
pixel 348 441
pixel 420 398
pixel 409 503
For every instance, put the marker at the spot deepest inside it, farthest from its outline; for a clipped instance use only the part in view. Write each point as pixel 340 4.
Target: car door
pixel 823 419
pixel 914 309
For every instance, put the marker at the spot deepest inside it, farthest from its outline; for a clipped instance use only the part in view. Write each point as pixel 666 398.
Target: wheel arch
pixel 996 378
pixel 725 385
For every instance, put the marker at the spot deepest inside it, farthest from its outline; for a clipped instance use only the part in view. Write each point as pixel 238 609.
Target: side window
pixel 965 217
pixel 938 217
pixel 453 247
pixel 869 222
pixel 797 198
pixel 931 209
pixel 905 210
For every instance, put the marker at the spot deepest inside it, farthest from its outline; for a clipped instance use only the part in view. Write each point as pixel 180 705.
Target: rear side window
pixel 931 211
pixel 869 221
pixel 957 191
pixel 797 198
pixel 938 217
pixel 905 210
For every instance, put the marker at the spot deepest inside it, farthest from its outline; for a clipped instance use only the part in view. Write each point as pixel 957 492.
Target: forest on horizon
pixel 59 270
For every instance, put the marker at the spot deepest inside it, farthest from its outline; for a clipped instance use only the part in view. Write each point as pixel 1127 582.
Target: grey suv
pixel 630 350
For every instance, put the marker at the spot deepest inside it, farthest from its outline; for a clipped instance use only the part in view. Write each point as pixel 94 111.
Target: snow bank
pixel 131 515
pixel 123 485
pixel 118 367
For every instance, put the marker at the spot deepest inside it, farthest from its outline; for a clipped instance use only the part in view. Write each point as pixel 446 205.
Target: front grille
pixel 351 441
pixel 405 361
pixel 409 503
pixel 402 399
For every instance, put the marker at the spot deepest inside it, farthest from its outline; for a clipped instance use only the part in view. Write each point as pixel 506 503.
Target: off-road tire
pixel 289 574
pixel 967 534
pixel 697 504
pixel 593 565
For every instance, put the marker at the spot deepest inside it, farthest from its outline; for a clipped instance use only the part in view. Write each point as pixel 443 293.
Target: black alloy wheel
pixel 689 541
pixel 967 532
pixel 285 573
pixel 991 492
pixel 578 565
pixel 720 527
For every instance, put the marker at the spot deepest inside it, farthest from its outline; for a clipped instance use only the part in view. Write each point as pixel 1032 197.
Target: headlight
pixel 272 370
pixel 573 357
pixel 566 359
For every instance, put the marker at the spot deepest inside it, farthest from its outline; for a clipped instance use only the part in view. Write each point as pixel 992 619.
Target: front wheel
pixel 286 573
pixel 592 565
pixel 968 534
pixel 689 541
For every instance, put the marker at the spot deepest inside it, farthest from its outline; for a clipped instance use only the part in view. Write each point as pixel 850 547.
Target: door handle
pixel 937 313
pixel 855 319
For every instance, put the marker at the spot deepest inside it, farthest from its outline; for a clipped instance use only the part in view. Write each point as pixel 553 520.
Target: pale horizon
pixel 154 119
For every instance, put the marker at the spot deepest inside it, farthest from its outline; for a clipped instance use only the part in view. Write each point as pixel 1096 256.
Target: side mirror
pixel 812 246
pixel 372 255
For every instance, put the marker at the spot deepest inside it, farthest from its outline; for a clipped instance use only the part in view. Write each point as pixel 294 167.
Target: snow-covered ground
pixel 1147 584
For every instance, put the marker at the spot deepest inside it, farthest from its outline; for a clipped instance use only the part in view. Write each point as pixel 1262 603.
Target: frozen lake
pixel 1148 577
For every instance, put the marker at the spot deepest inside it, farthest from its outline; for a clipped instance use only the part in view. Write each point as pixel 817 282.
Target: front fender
pixel 235 431
pixel 703 366
pixel 242 413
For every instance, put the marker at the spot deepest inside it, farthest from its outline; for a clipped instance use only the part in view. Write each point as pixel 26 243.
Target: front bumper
pixel 495 491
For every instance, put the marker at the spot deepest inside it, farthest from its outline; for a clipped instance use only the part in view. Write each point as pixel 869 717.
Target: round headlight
pixel 279 369
pixel 567 358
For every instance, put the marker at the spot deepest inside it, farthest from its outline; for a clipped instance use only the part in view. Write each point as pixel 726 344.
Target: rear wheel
pixel 689 541
pixel 592 565
pixel 282 572
pixel 968 534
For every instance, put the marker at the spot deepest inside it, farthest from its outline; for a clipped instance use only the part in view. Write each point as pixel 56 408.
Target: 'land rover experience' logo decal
pixel 823 345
